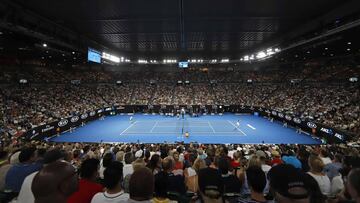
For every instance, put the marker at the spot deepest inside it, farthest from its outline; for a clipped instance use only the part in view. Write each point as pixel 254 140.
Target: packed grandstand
pixel 332 101
pixel 50 94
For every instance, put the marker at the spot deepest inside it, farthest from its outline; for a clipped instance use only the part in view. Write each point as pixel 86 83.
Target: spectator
pixel 147 156
pixel 316 171
pixel 262 156
pixel 106 161
pixel 353 184
pixel 76 161
pixel 303 156
pixel 333 169
pixel 211 185
pixel 175 183
pixel 25 195
pixel 17 173
pixel 292 160
pixel 256 179
pixel 190 173
pixel 137 164
pixel 13 160
pixel 161 195
pixel 179 165
pixel 89 172
pixel 315 193
pixel 154 164
pixel 54 183
pixel 276 158
pixel 236 162
pixel 324 155
pixel 231 182
pixel 141 186
pixel 288 184
pixel 112 181
pixel 128 168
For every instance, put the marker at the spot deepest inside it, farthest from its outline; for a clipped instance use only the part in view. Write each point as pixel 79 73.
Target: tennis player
pixel 237 125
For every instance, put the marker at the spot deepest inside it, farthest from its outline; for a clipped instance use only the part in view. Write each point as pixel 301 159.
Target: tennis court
pixel 203 129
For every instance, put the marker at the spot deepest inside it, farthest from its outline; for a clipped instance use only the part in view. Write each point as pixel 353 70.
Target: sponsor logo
pixel 108 109
pixel 297 120
pixel 74 119
pixel 311 125
pixel 92 113
pixel 84 116
pixel 100 110
pixel 326 130
pixel 63 123
pixel 274 113
pixel 341 137
pixel 47 128
pixel 32 137
pixel 281 115
pixel 287 117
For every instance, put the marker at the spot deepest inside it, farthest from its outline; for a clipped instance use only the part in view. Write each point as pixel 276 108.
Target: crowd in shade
pixel 102 173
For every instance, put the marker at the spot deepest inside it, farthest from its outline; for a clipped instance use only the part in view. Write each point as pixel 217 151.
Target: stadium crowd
pixel 306 93
pixel 96 173
pixel 79 172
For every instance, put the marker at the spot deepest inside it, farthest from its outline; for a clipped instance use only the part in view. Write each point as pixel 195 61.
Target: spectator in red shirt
pixel 236 162
pixel 179 165
pixel 89 172
pixel 276 158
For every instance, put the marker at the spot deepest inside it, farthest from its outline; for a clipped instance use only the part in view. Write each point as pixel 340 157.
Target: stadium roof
pixel 178 28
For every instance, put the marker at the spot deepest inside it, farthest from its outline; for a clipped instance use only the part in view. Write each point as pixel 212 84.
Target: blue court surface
pixel 220 129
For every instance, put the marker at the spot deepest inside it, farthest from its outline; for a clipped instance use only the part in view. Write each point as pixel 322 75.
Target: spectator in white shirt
pixel 128 168
pixel 316 171
pixel 112 180
pixel 26 195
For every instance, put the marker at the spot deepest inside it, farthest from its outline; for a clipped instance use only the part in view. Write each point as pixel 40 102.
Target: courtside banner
pixel 331 135
pixel 62 125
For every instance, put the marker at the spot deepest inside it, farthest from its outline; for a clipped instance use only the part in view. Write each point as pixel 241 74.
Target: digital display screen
pixel 94 56
pixel 183 64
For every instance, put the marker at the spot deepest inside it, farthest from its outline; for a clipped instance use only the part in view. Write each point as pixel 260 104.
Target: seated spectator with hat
pixel 288 184
pixel 211 185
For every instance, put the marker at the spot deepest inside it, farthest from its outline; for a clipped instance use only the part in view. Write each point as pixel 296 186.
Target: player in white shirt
pixel 237 125
pixel 131 119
